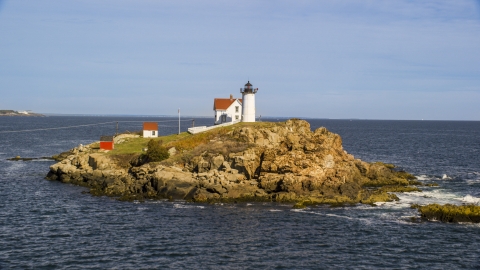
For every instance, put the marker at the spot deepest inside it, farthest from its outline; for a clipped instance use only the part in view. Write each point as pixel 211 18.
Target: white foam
pixel 440 196
pixel 364 207
pixel 339 216
pixel 472 182
pixel 471 199
pixel 423 177
pixel 367 221
pixel 155 201
pixel 275 210
pixel 177 205
pixel 394 205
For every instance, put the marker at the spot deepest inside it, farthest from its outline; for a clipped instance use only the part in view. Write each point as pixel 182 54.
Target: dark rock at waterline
pixel 18 158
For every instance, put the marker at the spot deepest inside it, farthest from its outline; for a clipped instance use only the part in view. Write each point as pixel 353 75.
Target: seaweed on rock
pixel 450 212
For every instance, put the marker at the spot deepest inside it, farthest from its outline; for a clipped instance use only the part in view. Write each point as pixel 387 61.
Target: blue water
pixel 50 225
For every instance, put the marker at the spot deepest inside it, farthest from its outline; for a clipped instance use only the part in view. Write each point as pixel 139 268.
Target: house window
pixel 236 108
pixel 236 117
pixel 224 118
pixel 153 132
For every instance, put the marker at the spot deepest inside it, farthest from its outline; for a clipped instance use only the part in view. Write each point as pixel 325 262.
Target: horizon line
pixel 266 117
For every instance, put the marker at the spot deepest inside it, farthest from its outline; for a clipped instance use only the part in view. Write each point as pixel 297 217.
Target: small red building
pixel 106 143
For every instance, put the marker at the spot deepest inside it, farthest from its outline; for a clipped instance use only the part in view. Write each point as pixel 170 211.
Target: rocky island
pixel 282 162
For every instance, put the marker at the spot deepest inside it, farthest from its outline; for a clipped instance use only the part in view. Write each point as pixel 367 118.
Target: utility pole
pixel 178 121
pixel 116 133
pixel 193 122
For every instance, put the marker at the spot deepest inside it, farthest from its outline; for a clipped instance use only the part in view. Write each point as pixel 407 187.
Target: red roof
pixel 150 126
pixel 106 138
pixel 224 103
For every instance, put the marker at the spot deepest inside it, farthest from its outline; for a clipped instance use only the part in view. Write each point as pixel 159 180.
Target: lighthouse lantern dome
pixel 248 85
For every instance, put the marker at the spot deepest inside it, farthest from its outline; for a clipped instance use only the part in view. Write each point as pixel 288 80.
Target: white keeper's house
pixel 227 110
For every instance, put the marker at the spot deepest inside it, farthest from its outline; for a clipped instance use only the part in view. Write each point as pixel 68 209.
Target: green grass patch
pixel 132 146
pixel 215 141
pixel 190 142
pixel 184 140
pixel 135 145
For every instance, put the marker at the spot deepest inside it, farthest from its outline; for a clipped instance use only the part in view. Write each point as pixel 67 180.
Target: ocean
pixel 50 225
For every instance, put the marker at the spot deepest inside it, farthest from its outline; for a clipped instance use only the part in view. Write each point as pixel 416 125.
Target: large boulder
pixel 100 161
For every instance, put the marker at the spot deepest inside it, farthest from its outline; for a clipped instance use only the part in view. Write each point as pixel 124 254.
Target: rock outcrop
pixel 264 162
pixel 469 213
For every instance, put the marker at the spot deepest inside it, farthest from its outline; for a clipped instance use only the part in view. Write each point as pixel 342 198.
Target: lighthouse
pixel 248 102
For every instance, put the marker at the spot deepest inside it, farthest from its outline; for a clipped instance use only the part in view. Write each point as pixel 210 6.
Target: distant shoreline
pixel 20 113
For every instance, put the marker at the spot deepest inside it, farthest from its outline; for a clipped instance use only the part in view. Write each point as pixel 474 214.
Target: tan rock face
pixel 291 158
pixel 285 162
pixel 99 162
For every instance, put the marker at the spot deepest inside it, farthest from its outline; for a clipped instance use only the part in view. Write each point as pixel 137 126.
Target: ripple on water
pixel 13 168
pixel 52 225
pixel 188 206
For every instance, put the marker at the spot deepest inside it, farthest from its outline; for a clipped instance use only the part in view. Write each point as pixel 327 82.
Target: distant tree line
pixel 7 111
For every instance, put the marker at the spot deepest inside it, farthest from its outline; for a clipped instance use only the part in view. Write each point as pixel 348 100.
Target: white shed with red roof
pixel 150 130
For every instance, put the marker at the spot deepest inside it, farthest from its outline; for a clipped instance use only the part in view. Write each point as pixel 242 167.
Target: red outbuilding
pixel 106 143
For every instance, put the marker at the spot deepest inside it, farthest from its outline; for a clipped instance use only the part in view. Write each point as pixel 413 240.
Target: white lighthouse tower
pixel 248 102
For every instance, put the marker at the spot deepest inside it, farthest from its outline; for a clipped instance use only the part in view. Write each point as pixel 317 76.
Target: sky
pixel 365 59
